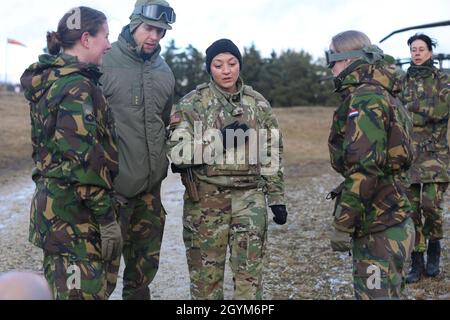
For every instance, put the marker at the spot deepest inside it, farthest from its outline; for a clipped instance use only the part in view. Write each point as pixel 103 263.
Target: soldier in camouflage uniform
pixel 72 213
pixel 225 205
pixel 426 95
pixel 370 147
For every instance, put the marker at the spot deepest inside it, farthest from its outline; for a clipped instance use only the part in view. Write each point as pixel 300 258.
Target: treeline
pixel 288 79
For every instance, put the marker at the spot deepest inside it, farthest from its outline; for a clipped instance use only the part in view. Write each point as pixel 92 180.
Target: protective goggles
pixel 332 57
pixel 157 12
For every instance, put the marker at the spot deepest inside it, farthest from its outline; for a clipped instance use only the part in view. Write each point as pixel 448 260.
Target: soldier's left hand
pixel 280 214
pixel 111 240
pixel 340 241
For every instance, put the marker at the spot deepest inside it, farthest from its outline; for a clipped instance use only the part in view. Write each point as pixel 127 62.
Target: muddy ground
pixel 300 264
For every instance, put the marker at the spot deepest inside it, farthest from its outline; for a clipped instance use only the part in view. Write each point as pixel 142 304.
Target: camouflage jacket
pixel 426 95
pixel 74 148
pixel 208 108
pixel 370 147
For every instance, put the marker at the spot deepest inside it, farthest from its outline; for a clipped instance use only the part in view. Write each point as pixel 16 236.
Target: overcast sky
pixel 269 24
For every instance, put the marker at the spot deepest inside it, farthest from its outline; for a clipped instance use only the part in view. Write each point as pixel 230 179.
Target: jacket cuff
pixel 347 220
pixel 343 229
pixel 107 218
pixel 275 199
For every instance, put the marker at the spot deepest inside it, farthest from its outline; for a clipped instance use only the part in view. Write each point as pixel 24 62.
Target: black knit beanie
pixel 222 46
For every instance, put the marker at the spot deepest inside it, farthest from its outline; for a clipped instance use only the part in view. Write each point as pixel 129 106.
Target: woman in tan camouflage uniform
pixel 225 205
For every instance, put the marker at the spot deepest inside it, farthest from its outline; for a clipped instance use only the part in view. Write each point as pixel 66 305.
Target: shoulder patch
pixel 353 113
pixel 175 118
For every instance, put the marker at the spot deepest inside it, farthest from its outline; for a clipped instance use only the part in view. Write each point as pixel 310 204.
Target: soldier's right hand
pixel 111 240
pixel 234 126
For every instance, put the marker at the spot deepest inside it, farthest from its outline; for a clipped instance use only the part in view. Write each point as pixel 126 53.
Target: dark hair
pixel 431 43
pixel 71 27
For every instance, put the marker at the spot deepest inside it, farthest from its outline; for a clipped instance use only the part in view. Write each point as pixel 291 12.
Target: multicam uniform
pixel 426 95
pixel 76 160
pixel 232 210
pixel 369 146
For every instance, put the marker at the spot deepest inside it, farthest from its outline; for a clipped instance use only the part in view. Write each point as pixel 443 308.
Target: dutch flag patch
pixel 353 113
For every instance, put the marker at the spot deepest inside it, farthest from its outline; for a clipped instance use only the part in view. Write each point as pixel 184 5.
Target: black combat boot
pixel 433 257
pixel 417 267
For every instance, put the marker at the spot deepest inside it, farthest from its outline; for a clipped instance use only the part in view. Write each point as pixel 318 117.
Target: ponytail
pixel 53 43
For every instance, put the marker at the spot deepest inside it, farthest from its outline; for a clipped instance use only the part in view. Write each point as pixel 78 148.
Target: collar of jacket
pixel 230 101
pixel 424 70
pixel 235 97
pixel 130 48
pixel 382 73
pixel 41 75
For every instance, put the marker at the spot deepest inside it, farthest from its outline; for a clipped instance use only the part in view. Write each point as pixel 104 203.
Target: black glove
pixel 280 214
pixel 234 126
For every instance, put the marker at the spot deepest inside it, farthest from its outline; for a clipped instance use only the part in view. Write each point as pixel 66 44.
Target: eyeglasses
pixel 157 12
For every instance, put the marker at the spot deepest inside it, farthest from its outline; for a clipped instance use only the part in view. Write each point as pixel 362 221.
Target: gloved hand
pixel 234 126
pixel 111 237
pixel 280 214
pixel 340 240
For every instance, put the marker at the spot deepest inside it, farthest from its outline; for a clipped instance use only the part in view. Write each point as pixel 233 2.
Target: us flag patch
pixel 175 119
pixel 353 113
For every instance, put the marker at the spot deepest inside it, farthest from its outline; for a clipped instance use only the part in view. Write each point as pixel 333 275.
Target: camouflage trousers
pixel 142 222
pixel 380 261
pixel 73 279
pixel 225 218
pixel 426 201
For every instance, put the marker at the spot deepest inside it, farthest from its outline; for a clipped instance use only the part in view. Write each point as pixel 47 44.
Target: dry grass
pixel 305 132
pixel 15 143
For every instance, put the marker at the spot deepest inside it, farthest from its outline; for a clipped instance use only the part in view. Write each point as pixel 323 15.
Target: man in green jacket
pixel 139 86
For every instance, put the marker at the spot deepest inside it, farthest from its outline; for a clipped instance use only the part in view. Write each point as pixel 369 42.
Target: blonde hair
pixel 350 40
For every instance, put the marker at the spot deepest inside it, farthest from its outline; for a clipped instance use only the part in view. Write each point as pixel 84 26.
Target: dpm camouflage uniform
pixel 75 159
pixel 370 147
pixel 232 211
pixel 426 95
pixel 142 221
